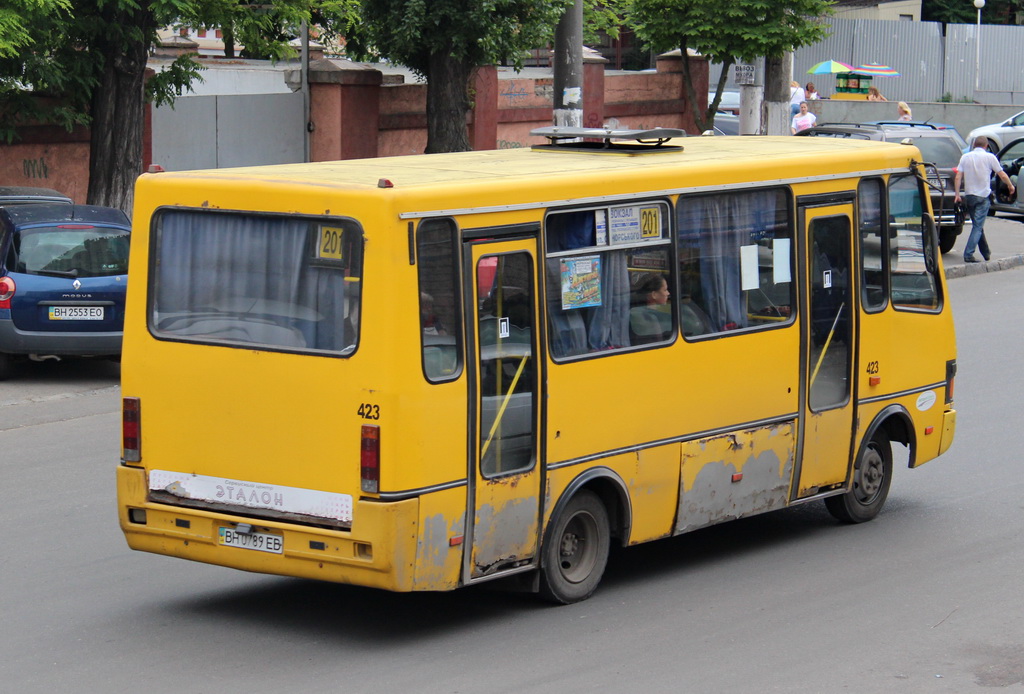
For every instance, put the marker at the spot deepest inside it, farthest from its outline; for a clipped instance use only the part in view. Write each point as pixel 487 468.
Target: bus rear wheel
pixel 872 475
pixel 576 552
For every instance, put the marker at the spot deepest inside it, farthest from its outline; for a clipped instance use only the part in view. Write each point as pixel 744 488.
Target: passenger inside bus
pixel 650 318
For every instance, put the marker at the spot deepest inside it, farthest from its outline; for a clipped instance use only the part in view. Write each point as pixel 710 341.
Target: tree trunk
pixel 777 76
pixel 448 104
pixel 118 102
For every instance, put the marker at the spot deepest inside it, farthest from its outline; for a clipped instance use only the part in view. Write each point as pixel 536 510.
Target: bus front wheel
pixel 576 552
pixel 872 475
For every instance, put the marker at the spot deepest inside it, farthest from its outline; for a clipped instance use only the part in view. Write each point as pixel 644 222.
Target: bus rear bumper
pixel 379 551
pixel 948 430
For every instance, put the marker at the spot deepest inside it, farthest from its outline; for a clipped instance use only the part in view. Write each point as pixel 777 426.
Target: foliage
pixel 479 32
pixel 18 17
pixel 724 31
pixel 603 16
pixel 444 40
pixel 265 30
pixel 964 12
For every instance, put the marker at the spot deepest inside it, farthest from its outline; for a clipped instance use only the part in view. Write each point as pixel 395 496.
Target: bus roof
pixel 791 156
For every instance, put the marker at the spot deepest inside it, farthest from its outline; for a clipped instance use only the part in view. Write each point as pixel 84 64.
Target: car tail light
pixel 7 288
pixel 75 226
pixel 369 459
pixel 131 430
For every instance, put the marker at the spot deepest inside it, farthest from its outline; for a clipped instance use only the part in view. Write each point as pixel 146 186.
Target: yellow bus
pixel 424 372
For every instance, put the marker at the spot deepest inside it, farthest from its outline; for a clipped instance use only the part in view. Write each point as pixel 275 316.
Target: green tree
pixel 964 12
pixel 84 61
pixel 444 41
pixel 724 31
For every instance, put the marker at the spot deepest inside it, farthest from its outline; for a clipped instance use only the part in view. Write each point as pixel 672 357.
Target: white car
pixel 999 134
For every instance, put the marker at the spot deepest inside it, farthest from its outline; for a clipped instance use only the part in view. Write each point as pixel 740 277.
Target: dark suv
pixel 938 147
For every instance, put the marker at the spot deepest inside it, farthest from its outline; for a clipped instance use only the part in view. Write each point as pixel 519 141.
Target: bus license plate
pixel 261 542
pixel 76 313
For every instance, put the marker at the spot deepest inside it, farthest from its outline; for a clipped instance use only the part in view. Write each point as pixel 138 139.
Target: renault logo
pixel 76 284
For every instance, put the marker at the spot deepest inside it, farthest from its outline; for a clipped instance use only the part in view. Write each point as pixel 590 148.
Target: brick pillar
pixel 344 108
pixel 593 88
pixel 672 62
pixel 483 124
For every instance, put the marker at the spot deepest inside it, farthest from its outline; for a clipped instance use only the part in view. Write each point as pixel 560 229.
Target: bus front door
pixel 505 482
pixel 827 406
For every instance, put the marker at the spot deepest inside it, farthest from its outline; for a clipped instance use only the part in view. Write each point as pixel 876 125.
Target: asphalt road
pixel 926 598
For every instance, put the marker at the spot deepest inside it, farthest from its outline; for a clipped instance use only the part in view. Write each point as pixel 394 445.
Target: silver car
pixel 999 134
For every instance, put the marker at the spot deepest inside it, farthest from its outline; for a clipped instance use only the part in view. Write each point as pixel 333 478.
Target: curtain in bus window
pixel 912 252
pixel 592 328
pixel 735 258
pixel 249 279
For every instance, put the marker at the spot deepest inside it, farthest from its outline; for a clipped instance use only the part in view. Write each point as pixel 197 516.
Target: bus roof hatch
pixel 604 139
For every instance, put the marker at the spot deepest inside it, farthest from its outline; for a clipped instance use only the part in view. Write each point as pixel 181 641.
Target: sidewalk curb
pixel 984 267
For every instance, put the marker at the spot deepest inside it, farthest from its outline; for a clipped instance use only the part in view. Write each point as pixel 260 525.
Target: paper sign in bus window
pixel 748 268
pixel 780 261
pixel 581 282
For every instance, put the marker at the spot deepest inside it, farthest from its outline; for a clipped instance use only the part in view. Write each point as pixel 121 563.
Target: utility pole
pixel 751 81
pixel 568 59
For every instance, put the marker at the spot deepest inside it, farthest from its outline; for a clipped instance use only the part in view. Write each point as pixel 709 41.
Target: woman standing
pixel 903 111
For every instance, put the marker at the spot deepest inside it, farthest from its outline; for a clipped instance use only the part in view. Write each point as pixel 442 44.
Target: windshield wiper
pixel 58 273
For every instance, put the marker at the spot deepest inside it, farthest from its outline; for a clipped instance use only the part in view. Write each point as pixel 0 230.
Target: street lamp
pixel 977 46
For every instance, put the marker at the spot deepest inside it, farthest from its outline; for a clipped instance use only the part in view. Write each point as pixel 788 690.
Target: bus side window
pixel 440 319
pixel 598 262
pixel 735 260
pixel 912 251
pixel 873 244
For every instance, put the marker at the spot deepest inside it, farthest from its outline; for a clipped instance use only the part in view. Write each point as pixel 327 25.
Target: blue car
pixel 63 272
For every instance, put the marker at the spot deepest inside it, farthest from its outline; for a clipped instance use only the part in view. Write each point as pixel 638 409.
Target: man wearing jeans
pixel 975 170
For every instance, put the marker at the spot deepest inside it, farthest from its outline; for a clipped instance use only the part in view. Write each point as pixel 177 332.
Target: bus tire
pixel 576 552
pixel 872 475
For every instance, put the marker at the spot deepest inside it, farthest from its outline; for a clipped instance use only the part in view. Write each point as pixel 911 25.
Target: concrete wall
pixel 964 117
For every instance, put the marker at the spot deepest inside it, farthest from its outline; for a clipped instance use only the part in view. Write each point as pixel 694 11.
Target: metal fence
pixel 933 66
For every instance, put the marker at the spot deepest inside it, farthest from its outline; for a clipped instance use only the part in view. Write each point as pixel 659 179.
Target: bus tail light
pixel 131 430
pixel 950 379
pixel 6 291
pixel 369 459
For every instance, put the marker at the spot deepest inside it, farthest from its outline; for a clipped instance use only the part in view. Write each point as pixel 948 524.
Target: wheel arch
pixel 612 492
pixel 898 425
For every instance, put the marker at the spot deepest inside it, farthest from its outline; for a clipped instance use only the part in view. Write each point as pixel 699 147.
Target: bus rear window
pixel 272 281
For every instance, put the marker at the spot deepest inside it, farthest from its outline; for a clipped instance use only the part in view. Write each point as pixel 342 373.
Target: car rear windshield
pixel 70 251
pixel 940 151
pixel 283 282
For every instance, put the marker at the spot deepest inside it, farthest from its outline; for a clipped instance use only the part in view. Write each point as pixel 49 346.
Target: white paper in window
pixel 748 268
pixel 780 265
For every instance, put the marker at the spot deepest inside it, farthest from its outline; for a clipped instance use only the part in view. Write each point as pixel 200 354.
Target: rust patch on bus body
pixel 504 536
pixel 711 491
pixel 437 560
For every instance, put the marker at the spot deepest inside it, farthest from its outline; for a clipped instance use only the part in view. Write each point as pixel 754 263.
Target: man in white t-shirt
pixel 975 170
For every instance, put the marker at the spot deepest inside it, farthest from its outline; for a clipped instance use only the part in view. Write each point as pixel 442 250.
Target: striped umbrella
pixel 829 67
pixel 877 70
